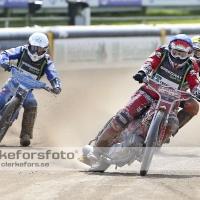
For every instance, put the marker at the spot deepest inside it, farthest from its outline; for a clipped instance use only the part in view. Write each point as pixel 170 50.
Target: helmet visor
pixel 179 54
pixel 35 49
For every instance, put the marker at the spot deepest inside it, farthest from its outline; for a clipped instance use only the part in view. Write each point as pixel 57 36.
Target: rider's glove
pixel 56 90
pixel 56 86
pixel 139 76
pixel 6 66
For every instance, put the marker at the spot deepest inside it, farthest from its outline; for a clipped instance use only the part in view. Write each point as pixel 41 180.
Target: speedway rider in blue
pixel 32 60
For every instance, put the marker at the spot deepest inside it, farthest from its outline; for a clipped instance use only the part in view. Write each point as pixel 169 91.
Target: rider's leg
pixel 172 127
pixel 190 109
pixel 133 108
pixel 28 121
pixel 109 132
pixel 118 123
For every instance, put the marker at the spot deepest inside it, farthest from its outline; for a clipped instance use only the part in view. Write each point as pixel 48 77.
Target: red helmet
pixel 180 49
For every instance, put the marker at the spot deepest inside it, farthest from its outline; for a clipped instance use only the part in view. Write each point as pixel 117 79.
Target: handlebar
pixel 146 81
pixel 10 67
pixel 13 66
pixel 48 89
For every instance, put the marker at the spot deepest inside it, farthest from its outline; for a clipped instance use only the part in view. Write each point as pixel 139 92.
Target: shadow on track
pixel 149 176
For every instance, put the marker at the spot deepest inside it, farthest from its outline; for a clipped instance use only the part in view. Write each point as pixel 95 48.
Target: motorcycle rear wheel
pixel 7 116
pixel 149 149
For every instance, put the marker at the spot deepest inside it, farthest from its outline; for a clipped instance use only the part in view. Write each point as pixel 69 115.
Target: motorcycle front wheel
pixel 7 116
pixel 149 149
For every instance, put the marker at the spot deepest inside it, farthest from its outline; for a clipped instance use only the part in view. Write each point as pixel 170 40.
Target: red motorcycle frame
pixel 152 126
pixel 169 99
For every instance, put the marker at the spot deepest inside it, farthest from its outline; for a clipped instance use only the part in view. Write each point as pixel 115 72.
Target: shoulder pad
pixel 194 62
pixel 193 59
pixel 47 56
pixel 25 46
pixel 164 47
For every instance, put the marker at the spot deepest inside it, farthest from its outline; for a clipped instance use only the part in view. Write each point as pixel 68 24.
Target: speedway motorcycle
pixel 124 150
pixel 11 110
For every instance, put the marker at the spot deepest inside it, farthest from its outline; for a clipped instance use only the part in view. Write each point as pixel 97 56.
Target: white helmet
pixel 38 44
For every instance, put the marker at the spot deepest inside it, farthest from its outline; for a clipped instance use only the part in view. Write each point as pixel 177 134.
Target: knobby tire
pixel 148 152
pixel 6 117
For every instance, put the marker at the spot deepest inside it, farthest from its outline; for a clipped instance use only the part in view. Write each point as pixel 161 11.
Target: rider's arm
pixel 150 64
pixel 11 54
pixel 192 79
pixel 52 75
pixel 153 61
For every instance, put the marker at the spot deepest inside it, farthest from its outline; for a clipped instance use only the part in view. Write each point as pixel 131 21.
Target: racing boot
pixel 172 127
pixel 28 121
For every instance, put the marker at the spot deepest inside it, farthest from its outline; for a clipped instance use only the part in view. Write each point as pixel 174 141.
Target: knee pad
pixel 30 103
pixel 123 119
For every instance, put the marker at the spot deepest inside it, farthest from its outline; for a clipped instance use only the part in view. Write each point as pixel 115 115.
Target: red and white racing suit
pixel 159 66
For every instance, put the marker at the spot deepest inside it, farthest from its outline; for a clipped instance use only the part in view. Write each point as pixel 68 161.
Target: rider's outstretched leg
pixel 139 101
pixel 115 126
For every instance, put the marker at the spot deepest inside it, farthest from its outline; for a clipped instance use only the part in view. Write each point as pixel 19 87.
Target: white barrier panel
pixel 103 52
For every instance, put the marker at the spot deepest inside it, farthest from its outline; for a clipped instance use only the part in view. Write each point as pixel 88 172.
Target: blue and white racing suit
pixel 35 69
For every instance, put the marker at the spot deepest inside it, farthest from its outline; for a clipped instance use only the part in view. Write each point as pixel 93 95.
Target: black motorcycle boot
pixel 183 117
pixel 28 122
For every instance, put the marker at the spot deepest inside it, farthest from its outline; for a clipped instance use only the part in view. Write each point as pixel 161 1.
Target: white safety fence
pixel 99 46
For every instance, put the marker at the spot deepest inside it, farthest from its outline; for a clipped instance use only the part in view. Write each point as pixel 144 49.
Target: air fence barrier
pixel 81 47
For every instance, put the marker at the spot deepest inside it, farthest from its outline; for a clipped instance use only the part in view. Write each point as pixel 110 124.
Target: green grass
pixel 169 12
pixel 189 21
pixel 39 23
pixel 155 12
pixel 150 12
pixel 147 22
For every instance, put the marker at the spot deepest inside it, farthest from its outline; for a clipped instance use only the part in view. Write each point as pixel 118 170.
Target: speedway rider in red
pixel 170 65
pixel 33 60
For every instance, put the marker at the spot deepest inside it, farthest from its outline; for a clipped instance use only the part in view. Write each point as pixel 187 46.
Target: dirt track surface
pixel 88 99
